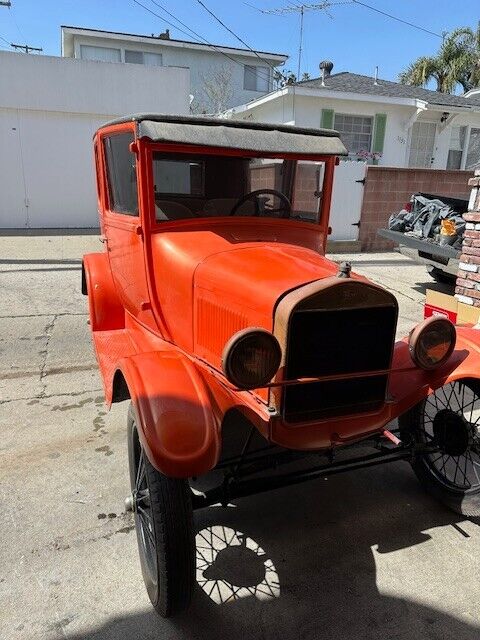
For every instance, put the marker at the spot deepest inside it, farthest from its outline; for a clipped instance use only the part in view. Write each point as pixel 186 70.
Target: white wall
pixel 306 111
pixel 201 63
pixel 49 110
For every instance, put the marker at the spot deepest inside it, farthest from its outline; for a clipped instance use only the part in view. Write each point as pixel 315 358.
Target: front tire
pixel 449 420
pixel 164 526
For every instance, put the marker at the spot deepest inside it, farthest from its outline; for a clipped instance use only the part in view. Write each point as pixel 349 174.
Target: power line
pixel 389 15
pixel 234 34
pixel 6 41
pixel 197 35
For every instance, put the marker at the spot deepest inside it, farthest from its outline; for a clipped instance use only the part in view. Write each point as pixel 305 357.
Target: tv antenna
pixel 301 9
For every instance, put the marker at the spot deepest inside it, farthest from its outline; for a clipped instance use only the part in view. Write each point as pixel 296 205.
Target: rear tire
pixel 164 527
pixel 449 419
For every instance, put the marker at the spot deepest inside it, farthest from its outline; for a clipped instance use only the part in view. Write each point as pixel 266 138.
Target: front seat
pixel 169 210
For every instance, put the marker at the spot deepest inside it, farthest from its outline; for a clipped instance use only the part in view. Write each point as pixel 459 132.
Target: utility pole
pixel 5 3
pixel 27 48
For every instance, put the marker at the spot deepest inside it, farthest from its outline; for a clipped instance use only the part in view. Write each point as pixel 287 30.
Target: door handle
pixel 356 224
pixel 362 181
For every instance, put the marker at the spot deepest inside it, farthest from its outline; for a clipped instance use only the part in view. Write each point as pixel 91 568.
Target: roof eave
pixel 277 58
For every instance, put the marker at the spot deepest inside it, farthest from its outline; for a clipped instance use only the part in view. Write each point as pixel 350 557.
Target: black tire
pixel 445 420
pixel 440 276
pixel 164 527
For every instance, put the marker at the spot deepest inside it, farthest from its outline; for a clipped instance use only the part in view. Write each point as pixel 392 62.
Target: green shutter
pixel 327 119
pixel 379 133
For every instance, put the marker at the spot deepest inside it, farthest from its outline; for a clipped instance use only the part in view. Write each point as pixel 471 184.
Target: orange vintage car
pixel 241 348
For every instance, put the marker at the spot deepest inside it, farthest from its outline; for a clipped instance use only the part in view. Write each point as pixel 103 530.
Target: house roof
pixel 235 134
pixel 69 31
pixel 356 83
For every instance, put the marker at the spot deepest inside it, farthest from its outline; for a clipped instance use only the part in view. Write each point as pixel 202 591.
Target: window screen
pixel 355 131
pixel 101 54
pixel 256 78
pixel 143 57
pixel 473 153
pixel 457 143
pixel 121 172
pixel 135 57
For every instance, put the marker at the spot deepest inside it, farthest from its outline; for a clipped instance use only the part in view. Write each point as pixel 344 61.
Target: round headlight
pixel 251 358
pixel 431 342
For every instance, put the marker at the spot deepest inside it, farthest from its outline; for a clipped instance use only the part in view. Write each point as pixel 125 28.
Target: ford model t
pixel 242 348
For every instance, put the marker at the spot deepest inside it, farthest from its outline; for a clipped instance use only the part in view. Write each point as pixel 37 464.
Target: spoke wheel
pixel 164 526
pixel 449 422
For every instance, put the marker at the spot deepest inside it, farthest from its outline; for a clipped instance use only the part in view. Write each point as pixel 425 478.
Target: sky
pixel 352 36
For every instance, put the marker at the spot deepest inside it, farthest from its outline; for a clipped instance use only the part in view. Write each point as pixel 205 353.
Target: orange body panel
pixel 164 299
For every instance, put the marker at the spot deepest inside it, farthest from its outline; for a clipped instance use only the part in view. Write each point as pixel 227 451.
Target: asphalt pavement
pixel 357 556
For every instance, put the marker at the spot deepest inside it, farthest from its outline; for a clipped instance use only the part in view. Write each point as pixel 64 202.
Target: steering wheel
pixel 253 195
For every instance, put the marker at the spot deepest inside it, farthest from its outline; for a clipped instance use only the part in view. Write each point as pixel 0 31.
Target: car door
pixel 122 225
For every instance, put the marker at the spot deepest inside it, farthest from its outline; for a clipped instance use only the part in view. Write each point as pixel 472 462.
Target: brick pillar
pixel 468 279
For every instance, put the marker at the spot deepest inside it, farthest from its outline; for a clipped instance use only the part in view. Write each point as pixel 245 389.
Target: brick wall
pixel 387 189
pixel 468 280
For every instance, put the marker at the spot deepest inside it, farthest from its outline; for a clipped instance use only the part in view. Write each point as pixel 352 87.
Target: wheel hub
pixel 453 434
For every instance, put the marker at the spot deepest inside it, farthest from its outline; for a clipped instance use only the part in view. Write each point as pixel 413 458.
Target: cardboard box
pixel 440 304
pixel 467 314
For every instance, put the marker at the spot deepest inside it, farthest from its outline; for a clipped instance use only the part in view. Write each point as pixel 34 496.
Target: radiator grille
pixel 328 342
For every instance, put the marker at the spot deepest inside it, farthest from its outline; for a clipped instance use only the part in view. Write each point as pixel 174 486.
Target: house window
pixel 143 57
pixel 473 151
pixel 421 144
pixel 121 173
pixel 101 54
pixel 457 145
pixel 355 132
pixel 256 78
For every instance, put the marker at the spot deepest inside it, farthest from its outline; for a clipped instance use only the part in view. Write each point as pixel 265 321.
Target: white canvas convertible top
pixel 236 134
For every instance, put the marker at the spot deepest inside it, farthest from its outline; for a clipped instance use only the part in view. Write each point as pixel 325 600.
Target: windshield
pixel 196 186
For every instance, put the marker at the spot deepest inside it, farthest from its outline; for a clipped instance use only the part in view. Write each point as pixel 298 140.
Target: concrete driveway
pixel 363 555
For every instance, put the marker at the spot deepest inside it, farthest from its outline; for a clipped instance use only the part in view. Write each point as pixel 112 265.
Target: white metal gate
pixel 347 199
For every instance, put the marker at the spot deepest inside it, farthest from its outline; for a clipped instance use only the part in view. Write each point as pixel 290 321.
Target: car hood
pixel 209 283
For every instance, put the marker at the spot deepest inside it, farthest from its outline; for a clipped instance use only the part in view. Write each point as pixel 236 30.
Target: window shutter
pixel 327 119
pixel 379 133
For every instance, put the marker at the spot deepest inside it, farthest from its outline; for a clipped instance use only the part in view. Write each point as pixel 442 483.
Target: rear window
pixel 121 173
pixel 180 177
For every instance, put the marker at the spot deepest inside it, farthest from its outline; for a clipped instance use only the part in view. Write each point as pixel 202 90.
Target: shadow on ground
pixel 316 543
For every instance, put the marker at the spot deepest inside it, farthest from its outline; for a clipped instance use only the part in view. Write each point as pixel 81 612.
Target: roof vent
pixel 165 35
pixel 325 69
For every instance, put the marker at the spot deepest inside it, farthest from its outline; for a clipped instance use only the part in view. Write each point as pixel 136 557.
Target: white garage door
pixel 46 170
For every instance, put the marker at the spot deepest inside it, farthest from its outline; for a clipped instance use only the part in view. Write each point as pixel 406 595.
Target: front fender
pixel 177 425
pixel 408 388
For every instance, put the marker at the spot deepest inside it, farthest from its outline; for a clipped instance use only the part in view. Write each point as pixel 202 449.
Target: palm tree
pixel 456 63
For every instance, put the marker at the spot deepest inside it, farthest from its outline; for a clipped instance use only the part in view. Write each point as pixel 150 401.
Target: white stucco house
pixel 389 123
pixel 49 109
pixel 219 76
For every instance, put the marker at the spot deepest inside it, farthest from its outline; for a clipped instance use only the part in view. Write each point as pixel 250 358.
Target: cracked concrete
pixel 357 557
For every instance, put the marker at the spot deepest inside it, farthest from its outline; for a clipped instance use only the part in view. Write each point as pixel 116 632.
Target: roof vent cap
pixel 326 67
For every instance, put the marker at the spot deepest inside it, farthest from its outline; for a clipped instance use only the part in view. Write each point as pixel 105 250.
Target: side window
pixel 122 176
